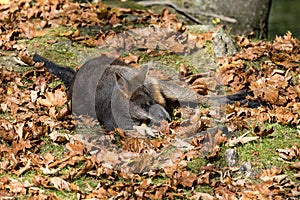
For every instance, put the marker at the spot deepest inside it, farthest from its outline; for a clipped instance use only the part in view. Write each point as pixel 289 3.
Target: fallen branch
pixel 187 13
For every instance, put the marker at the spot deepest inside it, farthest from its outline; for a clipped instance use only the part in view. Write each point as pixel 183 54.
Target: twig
pixel 187 13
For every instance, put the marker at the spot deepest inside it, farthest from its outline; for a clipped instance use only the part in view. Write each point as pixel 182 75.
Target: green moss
pixel 83 181
pixel 161 179
pixel 62 194
pixel 56 47
pixel 262 153
pixel 195 164
pixel 204 189
pixel 54 83
pixel 50 147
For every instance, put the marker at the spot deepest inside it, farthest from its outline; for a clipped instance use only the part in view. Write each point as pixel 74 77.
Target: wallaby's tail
pixel 66 74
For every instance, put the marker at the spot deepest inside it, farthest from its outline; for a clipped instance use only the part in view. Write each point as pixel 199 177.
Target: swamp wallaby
pixel 120 96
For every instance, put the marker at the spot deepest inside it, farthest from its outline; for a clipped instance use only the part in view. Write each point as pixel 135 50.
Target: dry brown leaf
pixel 75 149
pixel 25 168
pixel 131 59
pixel 290 153
pixel 60 183
pixel 30 31
pixel 262 133
pixel 183 70
pixel 295 165
pixel 57 98
pixel 26 58
pixel 56 136
pixel 16 187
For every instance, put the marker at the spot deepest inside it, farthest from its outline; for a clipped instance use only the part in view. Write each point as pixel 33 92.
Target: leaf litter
pixel 32 110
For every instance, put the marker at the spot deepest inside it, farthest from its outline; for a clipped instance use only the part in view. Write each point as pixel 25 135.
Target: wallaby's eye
pixel 144 105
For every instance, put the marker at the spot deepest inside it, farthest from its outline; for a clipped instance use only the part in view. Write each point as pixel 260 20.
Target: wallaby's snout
pixel 157 113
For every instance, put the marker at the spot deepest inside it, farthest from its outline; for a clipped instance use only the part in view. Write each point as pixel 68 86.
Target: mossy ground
pixel 261 153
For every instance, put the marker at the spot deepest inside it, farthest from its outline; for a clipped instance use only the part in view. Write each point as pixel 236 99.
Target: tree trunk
pixel 240 16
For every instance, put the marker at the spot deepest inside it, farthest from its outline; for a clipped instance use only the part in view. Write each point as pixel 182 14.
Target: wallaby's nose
pixel 157 113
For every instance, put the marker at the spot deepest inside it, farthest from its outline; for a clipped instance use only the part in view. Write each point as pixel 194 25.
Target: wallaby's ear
pixel 122 83
pixel 143 72
pixel 128 86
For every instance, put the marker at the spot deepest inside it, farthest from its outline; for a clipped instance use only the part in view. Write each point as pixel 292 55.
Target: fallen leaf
pixel 58 98
pixel 290 153
pixel 60 184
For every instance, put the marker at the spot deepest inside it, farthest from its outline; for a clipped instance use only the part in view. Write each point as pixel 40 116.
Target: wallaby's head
pixel 145 101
